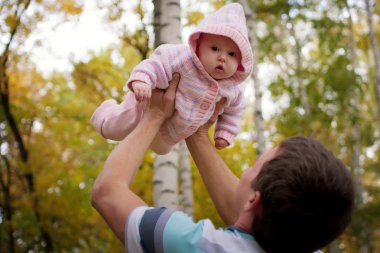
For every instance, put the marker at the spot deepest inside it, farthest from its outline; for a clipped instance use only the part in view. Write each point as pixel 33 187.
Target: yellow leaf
pixel 11 21
pixel 193 18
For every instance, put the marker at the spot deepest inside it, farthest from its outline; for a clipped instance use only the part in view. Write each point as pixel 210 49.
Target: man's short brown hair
pixel 307 198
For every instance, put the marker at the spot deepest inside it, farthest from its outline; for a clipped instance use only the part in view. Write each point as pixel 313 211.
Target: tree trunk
pixel 167 22
pixel 10 119
pixel 250 16
pixel 8 210
pixel 299 79
pixel 298 70
pixel 375 50
pixel 186 180
pixel 356 133
pixel 167 28
pixel 165 180
pixel 355 105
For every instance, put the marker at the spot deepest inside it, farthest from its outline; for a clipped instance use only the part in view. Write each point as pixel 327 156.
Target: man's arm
pixel 111 195
pixel 220 182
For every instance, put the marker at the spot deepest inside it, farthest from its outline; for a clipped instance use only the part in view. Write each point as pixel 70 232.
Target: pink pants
pixel 115 121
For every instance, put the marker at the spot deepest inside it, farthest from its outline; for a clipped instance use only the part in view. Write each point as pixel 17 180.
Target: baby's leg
pixel 159 146
pixel 115 121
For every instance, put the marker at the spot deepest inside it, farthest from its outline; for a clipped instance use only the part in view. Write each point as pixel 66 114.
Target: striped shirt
pixel 161 230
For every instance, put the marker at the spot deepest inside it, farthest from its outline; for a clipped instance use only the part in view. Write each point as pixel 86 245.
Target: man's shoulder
pixel 161 230
pixel 233 239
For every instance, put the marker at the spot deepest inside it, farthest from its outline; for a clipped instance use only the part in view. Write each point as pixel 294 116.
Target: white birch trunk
pixel 356 135
pixel 250 16
pixel 167 22
pixel 165 180
pixel 299 79
pixel 157 22
pixel 186 196
pixel 304 96
pixel 167 28
pixel 375 50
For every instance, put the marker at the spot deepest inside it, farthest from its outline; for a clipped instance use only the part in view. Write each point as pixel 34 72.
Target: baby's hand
pixel 220 143
pixel 142 91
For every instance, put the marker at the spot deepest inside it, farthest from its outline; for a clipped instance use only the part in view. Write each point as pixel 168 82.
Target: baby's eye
pixel 233 54
pixel 214 48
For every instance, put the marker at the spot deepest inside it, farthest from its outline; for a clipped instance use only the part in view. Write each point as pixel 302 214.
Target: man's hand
pixel 162 102
pixel 142 91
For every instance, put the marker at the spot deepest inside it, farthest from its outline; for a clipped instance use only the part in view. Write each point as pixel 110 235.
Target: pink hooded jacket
pixel 198 92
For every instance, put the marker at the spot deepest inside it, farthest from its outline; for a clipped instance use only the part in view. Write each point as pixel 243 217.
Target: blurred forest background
pixel 318 74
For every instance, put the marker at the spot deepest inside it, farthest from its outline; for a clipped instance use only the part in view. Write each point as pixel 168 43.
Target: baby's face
pixel 219 55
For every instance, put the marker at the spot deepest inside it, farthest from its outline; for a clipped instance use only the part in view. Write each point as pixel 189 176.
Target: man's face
pixel 219 55
pixel 245 183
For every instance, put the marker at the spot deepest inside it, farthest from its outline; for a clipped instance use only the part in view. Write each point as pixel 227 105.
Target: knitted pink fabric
pixel 198 92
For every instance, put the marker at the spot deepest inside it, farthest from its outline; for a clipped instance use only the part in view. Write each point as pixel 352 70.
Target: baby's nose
pixel 222 57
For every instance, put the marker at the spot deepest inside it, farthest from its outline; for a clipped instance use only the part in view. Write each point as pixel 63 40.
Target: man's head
pixel 306 197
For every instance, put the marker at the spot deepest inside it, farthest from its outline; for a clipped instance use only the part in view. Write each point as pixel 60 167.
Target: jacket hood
pixel 228 21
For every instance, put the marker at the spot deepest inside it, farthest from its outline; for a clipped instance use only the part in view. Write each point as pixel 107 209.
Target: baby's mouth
pixel 219 68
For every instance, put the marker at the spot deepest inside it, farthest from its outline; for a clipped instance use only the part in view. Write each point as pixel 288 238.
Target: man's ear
pixel 254 202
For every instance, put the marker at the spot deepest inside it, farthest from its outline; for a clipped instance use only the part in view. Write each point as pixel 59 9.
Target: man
pixel 297 197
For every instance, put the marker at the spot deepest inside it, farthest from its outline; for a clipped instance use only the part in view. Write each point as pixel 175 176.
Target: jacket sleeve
pixel 155 71
pixel 228 124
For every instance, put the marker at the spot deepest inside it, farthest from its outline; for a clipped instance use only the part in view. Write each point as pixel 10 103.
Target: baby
pixel 213 66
